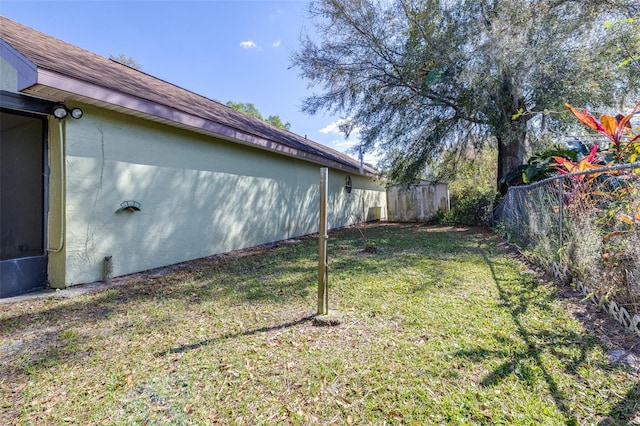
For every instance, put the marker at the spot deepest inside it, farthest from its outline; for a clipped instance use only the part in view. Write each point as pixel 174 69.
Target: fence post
pixel 560 212
pixel 323 294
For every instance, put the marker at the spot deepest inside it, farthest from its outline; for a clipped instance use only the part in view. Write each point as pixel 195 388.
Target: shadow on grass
pixel 39 334
pixel 277 273
pixel 626 410
pixel 242 278
pixel 402 246
pixel 228 336
pixel 556 342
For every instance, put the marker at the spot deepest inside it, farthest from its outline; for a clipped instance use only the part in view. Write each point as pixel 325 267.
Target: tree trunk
pixel 510 132
pixel 510 155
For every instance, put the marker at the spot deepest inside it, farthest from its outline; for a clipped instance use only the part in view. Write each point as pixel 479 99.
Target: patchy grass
pixel 439 327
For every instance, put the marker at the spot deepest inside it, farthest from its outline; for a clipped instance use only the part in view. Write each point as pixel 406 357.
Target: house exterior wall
pixel 8 76
pixel 199 196
pixel 16 72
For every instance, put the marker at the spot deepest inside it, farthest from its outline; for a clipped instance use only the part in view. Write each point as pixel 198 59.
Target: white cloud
pixel 275 44
pixel 371 158
pixel 330 128
pixel 348 146
pixel 248 44
pixel 343 144
pixel 333 127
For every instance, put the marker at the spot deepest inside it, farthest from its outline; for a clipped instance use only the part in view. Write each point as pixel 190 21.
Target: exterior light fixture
pixel 347 184
pixel 130 206
pixel 76 113
pixel 60 112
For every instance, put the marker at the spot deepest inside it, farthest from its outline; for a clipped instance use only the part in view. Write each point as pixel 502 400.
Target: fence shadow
pixel 626 411
pixel 569 348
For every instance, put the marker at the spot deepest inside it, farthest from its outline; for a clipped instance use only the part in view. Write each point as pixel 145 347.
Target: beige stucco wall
pixel 199 196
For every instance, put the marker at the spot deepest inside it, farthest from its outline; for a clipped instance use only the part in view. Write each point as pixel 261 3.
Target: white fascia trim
pixel 67 84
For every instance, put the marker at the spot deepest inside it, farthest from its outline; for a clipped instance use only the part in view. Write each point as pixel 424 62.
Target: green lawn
pixel 439 327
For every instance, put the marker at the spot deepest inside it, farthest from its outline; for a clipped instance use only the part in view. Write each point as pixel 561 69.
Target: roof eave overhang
pixel 62 88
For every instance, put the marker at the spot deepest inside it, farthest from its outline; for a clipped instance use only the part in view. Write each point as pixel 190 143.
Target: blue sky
pixel 223 49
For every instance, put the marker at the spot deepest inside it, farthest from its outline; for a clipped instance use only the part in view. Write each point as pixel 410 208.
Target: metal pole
pixel 323 294
pixel 560 212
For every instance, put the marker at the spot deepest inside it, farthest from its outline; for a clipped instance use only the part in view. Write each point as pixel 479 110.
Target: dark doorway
pixel 23 190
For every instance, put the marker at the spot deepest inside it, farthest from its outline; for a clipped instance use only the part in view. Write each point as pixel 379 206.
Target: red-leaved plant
pixel 617 206
pixel 625 143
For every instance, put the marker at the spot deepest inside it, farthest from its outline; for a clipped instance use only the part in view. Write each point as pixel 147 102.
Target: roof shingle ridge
pixel 133 82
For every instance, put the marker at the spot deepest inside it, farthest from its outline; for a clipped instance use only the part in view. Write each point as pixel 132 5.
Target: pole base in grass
pixel 331 319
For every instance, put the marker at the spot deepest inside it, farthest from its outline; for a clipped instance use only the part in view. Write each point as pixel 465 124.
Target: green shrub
pixel 468 207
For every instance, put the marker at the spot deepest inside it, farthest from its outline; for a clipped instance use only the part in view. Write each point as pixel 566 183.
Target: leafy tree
pixel 623 42
pixel 275 120
pixel 246 108
pixel 251 110
pixel 471 188
pixel 425 76
pixel 126 60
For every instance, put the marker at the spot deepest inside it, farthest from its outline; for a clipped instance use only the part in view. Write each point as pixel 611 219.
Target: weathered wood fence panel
pixel 416 203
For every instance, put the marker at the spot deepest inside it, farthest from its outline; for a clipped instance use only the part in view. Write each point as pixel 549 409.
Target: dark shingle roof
pixel 49 53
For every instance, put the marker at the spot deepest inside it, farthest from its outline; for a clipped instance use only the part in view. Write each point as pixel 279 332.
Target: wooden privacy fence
pixel 416 202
